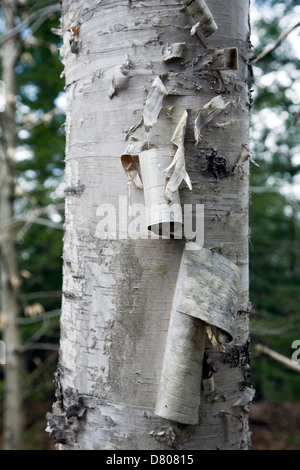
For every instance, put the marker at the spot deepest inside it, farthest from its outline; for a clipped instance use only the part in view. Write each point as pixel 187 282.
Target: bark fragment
pixel 178 162
pixel 119 80
pixel 153 103
pixel 74 38
pixel 172 51
pixel 205 22
pixel 209 111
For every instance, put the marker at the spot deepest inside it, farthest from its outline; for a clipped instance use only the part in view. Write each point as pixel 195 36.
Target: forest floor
pixel 273 427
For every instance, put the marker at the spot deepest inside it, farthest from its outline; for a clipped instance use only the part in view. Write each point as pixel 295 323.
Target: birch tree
pixel 22 208
pixel 10 281
pixel 154 347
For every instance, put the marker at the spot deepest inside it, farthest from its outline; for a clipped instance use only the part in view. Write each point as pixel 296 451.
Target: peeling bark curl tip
pixel 178 162
pixel 130 168
pixel 153 103
pixel 202 15
pixel 120 77
pixel 206 114
pixel 131 171
pixel 119 80
pixel 213 338
pixel 162 218
pixel 207 288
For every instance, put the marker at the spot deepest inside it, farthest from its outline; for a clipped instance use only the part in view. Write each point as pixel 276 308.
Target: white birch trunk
pixel 118 294
pixel 10 282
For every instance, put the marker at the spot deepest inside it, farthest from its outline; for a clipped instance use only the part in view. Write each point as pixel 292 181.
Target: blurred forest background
pixel 38 214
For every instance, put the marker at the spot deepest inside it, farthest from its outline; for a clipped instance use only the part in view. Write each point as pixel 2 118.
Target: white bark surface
pixel 118 294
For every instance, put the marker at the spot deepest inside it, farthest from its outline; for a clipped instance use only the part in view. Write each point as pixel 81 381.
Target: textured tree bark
pixel 118 294
pixel 13 419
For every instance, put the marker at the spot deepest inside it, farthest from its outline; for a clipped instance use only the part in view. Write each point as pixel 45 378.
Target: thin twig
pixel 14 221
pixel 275 44
pixel 38 318
pixel 42 12
pixel 39 370
pixel 277 357
pixel 41 295
pixel 32 342
pixel 42 346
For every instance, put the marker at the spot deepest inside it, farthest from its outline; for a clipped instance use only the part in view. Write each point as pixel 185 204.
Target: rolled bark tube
pixel 206 295
pixel 202 15
pixel 179 394
pixel 163 218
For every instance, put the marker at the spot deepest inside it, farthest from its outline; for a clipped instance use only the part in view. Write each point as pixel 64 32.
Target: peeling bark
pixel 154 103
pixel 206 289
pixel 173 51
pixel 179 172
pixel 209 111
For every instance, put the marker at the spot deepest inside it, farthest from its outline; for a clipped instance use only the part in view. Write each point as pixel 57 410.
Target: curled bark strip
pixel 153 103
pixel 205 22
pixel 163 218
pixel 178 162
pixel 206 114
pixel 205 297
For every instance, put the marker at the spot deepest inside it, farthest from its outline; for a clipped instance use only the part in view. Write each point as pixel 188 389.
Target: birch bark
pixel 117 294
pixel 13 416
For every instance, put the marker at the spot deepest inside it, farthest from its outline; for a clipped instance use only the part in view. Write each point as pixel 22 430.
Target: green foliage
pixel 39 196
pixel 274 211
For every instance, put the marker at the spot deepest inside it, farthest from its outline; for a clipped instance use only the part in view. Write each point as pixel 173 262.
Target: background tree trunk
pixel 10 281
pixel 117 294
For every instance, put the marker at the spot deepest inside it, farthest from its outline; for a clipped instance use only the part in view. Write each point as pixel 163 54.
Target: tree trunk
pixel 13 419
pixel 139 73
